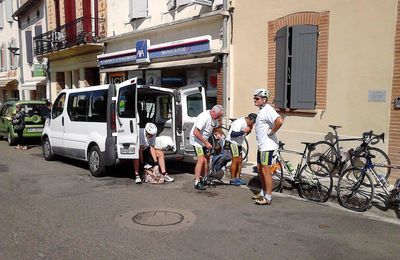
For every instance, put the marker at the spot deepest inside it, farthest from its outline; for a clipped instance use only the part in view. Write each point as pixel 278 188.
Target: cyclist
pixel 237 132
pixel 267 123
pixel 148 154
pixel 205 124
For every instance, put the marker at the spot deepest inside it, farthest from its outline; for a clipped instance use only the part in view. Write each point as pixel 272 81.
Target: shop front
pixel 171 65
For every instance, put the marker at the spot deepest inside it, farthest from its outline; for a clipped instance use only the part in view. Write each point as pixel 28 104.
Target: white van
pixel 100 124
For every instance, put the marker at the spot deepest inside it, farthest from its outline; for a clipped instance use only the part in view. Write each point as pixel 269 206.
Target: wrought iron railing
pixel 82 30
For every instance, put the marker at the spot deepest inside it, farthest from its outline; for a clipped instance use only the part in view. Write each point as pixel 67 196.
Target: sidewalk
pixel 377 211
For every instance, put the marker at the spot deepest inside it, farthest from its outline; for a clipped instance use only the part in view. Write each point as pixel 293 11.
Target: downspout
pixel 20 60
pixel 48 75
pixel 225 60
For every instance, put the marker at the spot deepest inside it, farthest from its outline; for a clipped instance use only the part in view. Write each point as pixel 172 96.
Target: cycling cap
pixel 262 92
pixel 151 128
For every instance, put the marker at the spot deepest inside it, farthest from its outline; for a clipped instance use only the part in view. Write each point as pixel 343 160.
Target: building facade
pixel 70 43
pixel 9 51
pixel 167 43
pixel 325 63
pixel 31 17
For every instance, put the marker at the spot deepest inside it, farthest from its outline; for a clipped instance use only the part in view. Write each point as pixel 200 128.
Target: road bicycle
pixel 331 154
pixel 312 179
pixel 355 188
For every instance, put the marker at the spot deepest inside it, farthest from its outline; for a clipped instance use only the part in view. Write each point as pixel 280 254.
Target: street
pixel 57 210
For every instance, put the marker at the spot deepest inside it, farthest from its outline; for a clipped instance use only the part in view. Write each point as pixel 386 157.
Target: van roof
pixel 92 88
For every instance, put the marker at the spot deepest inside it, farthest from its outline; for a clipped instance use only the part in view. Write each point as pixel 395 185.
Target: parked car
pixel 100 124
pixel 34 121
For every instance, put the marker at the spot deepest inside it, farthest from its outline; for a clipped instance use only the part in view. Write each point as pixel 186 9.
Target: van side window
pixel 78 106
pixel 58 106
pixel 98 106
pixel 126 102
pixel 194 105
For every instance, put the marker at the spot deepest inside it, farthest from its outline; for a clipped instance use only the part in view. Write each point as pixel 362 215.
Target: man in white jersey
pixel 205 124
pixel 148 154
pixel 267 123
pixel 238 131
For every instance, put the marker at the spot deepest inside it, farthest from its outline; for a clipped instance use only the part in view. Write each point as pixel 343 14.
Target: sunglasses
pixel 257 98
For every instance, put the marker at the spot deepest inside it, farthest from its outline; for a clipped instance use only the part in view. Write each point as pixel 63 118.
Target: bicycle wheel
pixel 380 161
pixel 325 153
pixel 315 182
pixel 277 174
pixel 354 189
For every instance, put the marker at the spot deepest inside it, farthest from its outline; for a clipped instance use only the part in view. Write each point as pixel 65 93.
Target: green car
pixel 34 121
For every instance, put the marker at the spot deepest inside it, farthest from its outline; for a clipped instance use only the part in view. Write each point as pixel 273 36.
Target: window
pixel 1 15
pixel 126 102
pixel 9 11
pixel 296 67
pixel 58 106
pixel 29 50
pixel 138 9
pixel 3 64
pixel 77 106
pixel 194 105
pixel 98 106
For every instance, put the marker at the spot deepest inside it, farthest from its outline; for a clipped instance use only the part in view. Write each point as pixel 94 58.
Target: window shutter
pixel 9 10
pixel 183 2
pixel 3 56
pixel 137 9
pixel 29 52
pixel 1 16
pixel 38 44
pixel 38 30
pixel 281 42
pixel 304 66
pixel 171 4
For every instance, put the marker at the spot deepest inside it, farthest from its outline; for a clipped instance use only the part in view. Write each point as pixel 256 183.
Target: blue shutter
pixel 9 11
pixel 137 9
pixel 304 67
pixel 281 42
pixel 1 16
pixel 29 51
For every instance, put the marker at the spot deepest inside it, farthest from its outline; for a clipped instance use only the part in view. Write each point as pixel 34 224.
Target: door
pixel 126 120
pixel 56 124
pixel 193 102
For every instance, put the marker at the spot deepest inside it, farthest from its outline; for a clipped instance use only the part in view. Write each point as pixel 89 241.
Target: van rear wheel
pixel 96 162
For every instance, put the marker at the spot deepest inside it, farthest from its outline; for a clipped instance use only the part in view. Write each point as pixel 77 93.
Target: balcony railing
pixel 81 31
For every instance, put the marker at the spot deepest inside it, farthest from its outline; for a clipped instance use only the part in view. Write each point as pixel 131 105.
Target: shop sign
pixel 38 70
pixel 142 54
pixel 117 60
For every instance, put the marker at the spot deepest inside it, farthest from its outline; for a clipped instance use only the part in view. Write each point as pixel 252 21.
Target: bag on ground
pixel 153 175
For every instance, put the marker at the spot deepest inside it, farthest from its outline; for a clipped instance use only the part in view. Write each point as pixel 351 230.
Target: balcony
pixel 84 30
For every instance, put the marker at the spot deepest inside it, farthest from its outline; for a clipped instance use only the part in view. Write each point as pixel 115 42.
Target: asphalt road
pixel 57 210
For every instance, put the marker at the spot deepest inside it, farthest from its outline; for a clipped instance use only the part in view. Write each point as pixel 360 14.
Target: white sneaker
pixel 138 180
pixel 168 178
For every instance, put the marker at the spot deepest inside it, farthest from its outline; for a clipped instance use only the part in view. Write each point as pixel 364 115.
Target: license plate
pixel 35 129
pixel 127 150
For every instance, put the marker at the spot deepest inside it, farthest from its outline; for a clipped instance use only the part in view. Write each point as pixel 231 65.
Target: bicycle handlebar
pixel 370 137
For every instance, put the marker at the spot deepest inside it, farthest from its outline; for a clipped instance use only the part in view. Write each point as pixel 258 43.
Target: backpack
pixel 153 175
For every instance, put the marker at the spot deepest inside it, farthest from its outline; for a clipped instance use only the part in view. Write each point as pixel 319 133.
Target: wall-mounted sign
pixel 38 70
pixel 117 77
pixel 202 2
pixel 162 50
pixel 376 95
pixel 142 53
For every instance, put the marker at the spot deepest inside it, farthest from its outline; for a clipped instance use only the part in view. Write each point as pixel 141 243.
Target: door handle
pixel 62 121
pixel 131 125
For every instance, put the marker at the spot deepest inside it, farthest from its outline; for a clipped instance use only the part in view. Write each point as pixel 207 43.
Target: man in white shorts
pixel 206 123
pixel 267 123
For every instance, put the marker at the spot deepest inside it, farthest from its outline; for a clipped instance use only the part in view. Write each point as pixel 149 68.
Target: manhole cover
pixel 158 218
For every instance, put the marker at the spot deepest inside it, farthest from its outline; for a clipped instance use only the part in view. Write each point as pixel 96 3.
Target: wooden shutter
pixel 1 16
pixel 38 44
pixel 281 42
pixel 29 51
pixel 9 10
pixel 304 67
pixel 137 9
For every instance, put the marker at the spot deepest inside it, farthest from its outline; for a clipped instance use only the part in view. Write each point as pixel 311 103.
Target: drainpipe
pixel 225 59
pixel 20 60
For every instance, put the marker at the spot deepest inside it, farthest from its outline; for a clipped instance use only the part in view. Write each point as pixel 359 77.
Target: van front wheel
pixel 47 150
pixel 96 162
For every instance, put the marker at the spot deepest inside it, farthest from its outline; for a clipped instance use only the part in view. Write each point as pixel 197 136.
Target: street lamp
pixel 13 50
